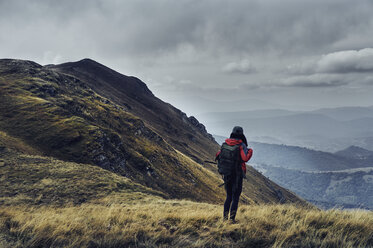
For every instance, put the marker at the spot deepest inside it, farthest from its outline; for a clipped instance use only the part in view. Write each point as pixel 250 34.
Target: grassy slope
pixel 78 205
pixel 130 92
pixel 76 124
pixel 60 116
pixel 37 180
pixel 52 202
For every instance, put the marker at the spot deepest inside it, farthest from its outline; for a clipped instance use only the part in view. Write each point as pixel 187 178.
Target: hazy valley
pixel 329 130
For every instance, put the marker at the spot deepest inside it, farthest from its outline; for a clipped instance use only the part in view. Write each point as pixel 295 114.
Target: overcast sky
pixel 292 54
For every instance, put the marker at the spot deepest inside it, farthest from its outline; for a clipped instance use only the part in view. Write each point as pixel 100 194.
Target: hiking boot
pixel 225 216
pixel 233 221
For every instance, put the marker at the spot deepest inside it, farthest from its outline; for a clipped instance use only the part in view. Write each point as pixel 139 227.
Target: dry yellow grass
pixel 161 223
pixel 16 144
pixel 46 202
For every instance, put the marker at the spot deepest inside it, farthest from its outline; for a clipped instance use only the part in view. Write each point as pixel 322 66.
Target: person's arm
pixel 245 153
pixel 217 155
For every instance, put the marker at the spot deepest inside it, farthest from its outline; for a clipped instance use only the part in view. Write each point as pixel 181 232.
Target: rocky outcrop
pixel 200 127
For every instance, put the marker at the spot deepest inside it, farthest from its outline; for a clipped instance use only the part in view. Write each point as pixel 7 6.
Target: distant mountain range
pixel 323 129
pixel 357 153
pixel 87 113
pixel 347 113
pixel 342 179
pixel 333 189
pixel 298 158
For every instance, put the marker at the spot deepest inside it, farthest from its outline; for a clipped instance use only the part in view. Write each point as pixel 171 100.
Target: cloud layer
pixel 347 61
pixel 350 61
pixel 330 70
pixel 214 45
pixel 244 66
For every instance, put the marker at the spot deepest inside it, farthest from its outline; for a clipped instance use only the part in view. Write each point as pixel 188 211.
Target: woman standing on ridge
pixel 231 165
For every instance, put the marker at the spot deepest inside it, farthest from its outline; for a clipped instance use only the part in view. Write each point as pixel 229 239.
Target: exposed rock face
pixel 200 127
pixel 110 152
pixel 13 66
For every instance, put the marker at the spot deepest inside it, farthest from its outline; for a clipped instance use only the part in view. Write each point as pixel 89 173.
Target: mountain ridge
pixel 301 158
pixel 123 90
pixel 72 117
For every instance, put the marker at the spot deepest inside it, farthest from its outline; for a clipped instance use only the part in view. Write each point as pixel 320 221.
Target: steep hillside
pixel 54 114
pixel 62 117
pixel 185 134
pixel 37 180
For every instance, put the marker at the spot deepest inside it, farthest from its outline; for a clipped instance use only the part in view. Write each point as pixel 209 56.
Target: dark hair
pixel 240 136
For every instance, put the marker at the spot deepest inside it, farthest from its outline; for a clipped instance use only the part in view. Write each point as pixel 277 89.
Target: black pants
pixel 233 187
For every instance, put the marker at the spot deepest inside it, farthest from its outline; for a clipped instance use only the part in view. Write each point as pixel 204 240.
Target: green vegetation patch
pixel 36 180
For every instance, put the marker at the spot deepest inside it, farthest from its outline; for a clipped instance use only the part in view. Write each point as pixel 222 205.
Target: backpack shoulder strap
pixel 228 147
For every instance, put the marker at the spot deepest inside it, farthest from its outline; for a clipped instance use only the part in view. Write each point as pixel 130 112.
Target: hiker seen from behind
pixel 231 158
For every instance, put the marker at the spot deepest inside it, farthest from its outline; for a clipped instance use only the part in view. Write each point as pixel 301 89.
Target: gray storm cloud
pixel 315 80
pixel 213 45
pixel 330 70
pixel 220 28
pixel 244 66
